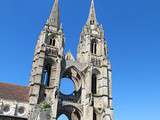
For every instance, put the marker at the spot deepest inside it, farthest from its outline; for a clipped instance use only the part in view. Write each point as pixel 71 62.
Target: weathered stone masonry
pixel 90 72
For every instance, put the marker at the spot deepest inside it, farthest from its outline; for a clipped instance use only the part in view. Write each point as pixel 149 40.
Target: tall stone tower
pixel 91 73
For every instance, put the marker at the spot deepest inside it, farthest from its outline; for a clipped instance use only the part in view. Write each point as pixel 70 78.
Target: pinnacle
pixel 69 56
pixel 92 15
pixel 54 18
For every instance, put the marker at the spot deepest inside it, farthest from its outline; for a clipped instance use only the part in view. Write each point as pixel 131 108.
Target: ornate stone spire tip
pixel 54 18
pixel 92 14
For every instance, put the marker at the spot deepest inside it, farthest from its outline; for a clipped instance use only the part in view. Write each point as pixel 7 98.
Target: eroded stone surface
pixel 90 72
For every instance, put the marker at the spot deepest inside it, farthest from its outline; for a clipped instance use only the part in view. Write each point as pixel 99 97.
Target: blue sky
pixel 133 34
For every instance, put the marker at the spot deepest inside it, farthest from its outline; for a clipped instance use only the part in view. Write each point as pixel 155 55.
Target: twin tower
pixel 90 72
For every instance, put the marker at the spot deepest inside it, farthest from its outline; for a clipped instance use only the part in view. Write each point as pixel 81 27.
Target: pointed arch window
pixel 52 42
pixel 63 117
pixel 92 22
pixel 94 47
pixel 46 75
pixel 94 84
pixel 94 116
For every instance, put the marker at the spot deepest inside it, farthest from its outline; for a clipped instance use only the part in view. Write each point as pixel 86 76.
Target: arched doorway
pixel 69 112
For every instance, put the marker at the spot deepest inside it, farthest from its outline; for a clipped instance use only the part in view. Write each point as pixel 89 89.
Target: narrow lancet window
pixel 93 47
pixel 94 116
pixel 52 42
pixel 92 22
pixel 46 75
pixel 94 84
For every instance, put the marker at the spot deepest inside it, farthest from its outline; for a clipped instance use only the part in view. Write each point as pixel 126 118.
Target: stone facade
pixel 90 72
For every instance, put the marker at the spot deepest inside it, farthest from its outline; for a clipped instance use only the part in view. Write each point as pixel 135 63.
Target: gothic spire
pixel 92 15
pixel 54 18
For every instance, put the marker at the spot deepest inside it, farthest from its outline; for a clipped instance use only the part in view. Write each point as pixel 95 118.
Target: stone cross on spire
pixel 54 19
pixel 92 15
